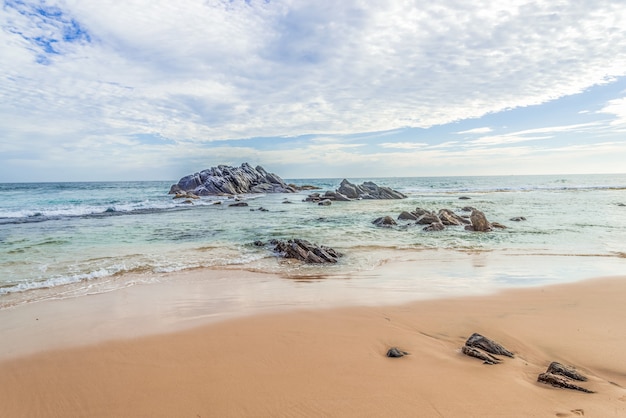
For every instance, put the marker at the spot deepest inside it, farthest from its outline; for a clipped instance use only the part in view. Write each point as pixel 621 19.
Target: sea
pixel 61 240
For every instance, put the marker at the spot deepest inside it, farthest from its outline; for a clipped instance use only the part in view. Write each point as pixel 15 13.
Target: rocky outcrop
pixel 348 191
pixel 368 190
pixel 303 250
pixel 228 180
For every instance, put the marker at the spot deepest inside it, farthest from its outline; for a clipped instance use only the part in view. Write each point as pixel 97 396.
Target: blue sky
pixel 142 90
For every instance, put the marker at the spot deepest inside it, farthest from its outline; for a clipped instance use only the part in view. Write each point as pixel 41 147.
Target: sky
pixel 156 90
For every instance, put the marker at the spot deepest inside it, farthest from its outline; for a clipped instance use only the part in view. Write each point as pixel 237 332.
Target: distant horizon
pixel 154 89
pixel 286 178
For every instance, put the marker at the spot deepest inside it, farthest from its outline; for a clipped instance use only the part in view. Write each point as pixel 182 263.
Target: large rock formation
pixel 224 179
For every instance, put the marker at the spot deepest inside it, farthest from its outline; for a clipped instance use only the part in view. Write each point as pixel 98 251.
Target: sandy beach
pixel 331 362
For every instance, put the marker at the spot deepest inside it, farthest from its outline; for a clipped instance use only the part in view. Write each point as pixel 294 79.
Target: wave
pixel 25 216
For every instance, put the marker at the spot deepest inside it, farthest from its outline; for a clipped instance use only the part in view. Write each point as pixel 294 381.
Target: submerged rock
pixel 385 221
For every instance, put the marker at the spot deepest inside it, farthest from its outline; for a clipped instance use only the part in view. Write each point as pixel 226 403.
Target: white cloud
pixel 485 130
pixel 403 145
pixel 616 108
pixel 530 134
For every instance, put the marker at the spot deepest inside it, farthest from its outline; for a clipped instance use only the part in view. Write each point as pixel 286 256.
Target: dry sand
pixel 332 363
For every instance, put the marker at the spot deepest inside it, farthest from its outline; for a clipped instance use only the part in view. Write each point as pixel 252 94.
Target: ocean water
pixel 70 239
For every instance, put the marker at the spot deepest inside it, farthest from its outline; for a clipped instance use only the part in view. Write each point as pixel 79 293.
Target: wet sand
pixel 326 361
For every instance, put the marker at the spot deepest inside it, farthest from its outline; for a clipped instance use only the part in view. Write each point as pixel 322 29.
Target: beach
pixel 314 360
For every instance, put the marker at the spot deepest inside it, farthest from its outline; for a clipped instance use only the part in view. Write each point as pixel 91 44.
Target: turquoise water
pixel 55 235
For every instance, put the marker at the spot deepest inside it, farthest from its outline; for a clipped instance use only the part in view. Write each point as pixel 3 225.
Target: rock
pixel 450 218
pixel 238 204
pixel 478 341
pixel 368 190
pixel 497 225
pixel 231 180
pixel 569 372
pixel 407 216
pixel 479 222
pixel 621 204
pixel 435 226
pixel 336 196
pixel 185 195
pixel 468 209
pixel 517 219
pixel 419 212
pixel 325 202
pixel 304 187
pixel 428 219
pixel 476 353
pixel 560 382
pixel 385 221
pixel 394 352
pixel 305 251
pixel 464 198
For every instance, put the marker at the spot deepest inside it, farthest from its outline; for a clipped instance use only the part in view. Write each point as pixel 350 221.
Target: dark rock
pixel 450 218
pixel 368 190
pixel 435 226
pixel 258 243
pixel 468 209
pixel 517 219
pixel 476 353
pixel 428 219
pixel 560 382
pixel 231 180
pixel 497 225
pixel 569 372
pixel 621 204
pixel 479 222
pixel 238 204
pixel 185 195
pixel 394 352
pixel 325 202
pixel 464 198
pixel 478 341
pixel 305 251
pixel 419 212
pixel 336 196
pixel 385 221
pixel 407 216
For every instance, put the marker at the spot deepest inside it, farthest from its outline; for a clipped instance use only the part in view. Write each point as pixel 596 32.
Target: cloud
pixel 403 145
pixel 617 108
pixel 475 131
pixel 214 70
pixel 530 134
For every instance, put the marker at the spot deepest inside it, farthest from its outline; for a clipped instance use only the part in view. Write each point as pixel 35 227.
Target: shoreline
pixel 329 360
pixel 137 305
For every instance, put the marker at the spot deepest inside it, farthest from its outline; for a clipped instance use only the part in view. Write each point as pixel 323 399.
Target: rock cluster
pixel 348 191
pixel 303 250
pixel 227 180
pixel 437 221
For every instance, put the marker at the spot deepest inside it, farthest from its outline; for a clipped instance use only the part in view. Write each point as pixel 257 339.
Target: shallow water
pixel 67 239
